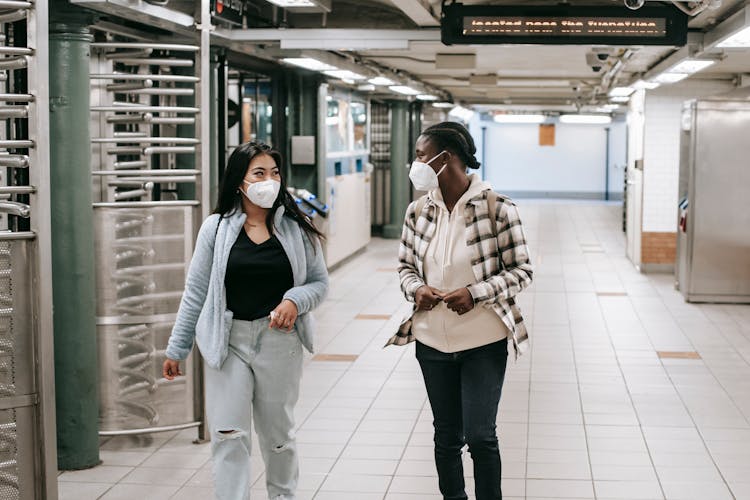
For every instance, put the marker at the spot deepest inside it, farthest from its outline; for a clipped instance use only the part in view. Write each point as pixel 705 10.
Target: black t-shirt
pixel 257 277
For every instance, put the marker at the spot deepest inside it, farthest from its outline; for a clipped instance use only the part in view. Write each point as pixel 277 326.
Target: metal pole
pixel 400 187
pixel 204 103
pixel 74 296
pixel 321 142
pixel 41 224
pixel 606 168
pixel 203 21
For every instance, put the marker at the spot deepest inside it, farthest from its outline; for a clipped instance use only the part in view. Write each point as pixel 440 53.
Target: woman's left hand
pixel 459 301
pixel 284 316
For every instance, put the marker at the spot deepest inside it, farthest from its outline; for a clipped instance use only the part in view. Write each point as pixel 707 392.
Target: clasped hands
pixel 459 301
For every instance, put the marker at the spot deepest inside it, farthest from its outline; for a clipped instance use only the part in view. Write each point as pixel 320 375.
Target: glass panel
pixel 337 124
pixel 359 119
pixel 257 112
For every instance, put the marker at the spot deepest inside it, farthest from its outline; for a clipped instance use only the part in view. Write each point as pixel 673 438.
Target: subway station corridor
pixel 627 392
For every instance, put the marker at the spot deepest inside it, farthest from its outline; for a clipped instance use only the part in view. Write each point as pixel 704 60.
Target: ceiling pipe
pixel 610 77
pixel 698 7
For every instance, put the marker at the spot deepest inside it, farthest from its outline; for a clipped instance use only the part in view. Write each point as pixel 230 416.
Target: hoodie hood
pixel 476 187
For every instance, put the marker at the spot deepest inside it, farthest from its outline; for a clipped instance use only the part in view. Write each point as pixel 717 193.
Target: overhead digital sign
pixel 562 25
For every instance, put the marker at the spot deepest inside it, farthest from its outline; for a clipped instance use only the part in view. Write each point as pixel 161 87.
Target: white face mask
pixel 423 176
pixel 263 193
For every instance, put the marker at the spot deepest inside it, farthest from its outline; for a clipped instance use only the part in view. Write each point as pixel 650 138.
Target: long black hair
pixel 229 192
pixel 454 137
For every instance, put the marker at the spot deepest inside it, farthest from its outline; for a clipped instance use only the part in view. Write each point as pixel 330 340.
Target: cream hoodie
pixel 447 267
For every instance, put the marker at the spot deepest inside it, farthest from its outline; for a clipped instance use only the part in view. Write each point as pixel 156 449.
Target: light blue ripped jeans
pixel 259 380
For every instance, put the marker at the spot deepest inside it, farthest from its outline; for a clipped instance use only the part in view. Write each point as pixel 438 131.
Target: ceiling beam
pixel 419 11
pixel 332 39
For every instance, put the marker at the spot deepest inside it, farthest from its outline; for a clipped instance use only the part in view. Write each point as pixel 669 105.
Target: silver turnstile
pixel 147 210
pixel 28 466
pixel 140 256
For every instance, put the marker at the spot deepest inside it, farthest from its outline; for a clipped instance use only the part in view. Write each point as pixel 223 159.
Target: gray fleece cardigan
pixel 203 314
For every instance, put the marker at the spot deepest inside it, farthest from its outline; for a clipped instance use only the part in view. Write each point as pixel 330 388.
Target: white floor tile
pixel 139 491
pixel 356 483
pixel 158 476
pixel 98 474
pixel 81 491
pixel 559 488
pixel 628 490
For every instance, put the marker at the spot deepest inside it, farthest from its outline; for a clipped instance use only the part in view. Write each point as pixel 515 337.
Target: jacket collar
pixel 238 217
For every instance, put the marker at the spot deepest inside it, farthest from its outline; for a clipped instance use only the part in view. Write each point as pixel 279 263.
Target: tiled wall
pixel 661 150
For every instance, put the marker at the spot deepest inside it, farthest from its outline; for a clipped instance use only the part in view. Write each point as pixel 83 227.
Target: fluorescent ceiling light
pixel 586 119
pixel 621 91
pixel 669 77
pixel 309 63
pixel 293 3
pixel 344 74
pixel 366 87
pixel 620 99
pixel 608 108
pixel 427 97
pixel 691 66
pixel 403 89
pixel 442 104
pixel 381 80
pixel 644 85
pixel 462 113
pixel 739 40
pixel 519 118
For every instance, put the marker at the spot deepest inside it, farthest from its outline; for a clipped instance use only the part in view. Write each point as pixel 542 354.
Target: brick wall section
pixel 658 248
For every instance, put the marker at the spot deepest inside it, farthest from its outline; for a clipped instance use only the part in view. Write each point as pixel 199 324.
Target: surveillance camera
pixel 634 4
pixel 594 61
pixel 602 56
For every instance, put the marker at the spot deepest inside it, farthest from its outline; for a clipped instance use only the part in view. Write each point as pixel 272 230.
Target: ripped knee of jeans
pixel 281 448
pixel 225 434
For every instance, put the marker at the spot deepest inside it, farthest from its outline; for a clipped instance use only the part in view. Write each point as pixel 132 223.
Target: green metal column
pixel 73 285
pixel 400 187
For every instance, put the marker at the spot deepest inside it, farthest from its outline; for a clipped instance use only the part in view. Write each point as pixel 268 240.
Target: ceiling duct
pixel 456 61
pixel 484 80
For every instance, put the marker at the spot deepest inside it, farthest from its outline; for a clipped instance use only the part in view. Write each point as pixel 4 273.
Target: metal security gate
pixel 145 147
pixel 27 412
pixel 380 156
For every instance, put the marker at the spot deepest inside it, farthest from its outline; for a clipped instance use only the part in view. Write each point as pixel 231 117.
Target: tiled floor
pixel 592 411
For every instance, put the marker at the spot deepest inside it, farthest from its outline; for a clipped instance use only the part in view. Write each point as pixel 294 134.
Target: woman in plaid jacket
pixel 463 259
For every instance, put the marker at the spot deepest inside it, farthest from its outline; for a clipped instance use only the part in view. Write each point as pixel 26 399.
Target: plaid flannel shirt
pixel 498 280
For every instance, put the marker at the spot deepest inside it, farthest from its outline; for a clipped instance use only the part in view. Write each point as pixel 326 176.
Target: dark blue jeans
pixel 464 390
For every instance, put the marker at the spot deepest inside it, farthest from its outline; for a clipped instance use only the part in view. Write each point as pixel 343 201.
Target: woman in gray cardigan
pixel 257 272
